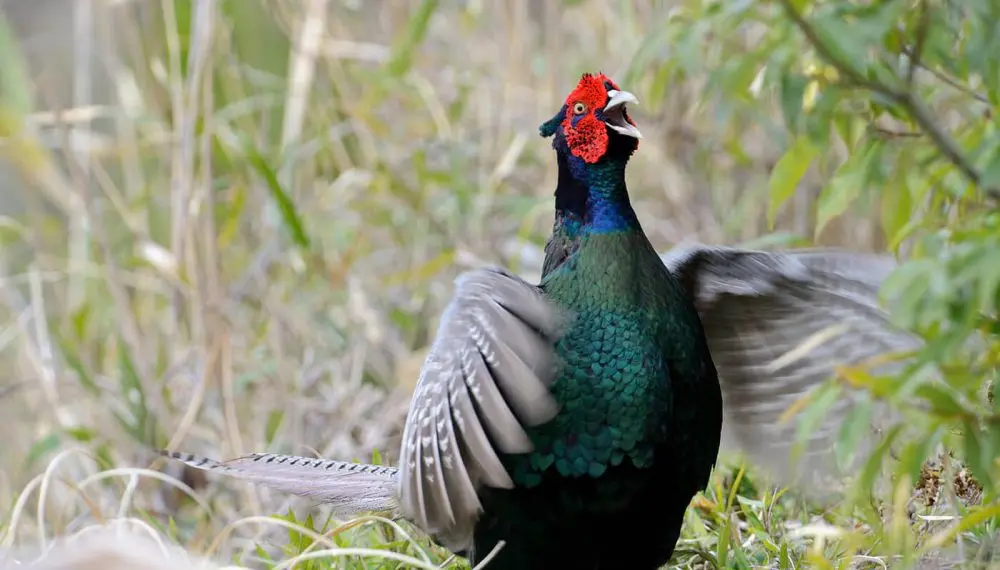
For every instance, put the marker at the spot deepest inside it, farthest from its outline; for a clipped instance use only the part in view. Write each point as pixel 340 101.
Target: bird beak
pixel 614 113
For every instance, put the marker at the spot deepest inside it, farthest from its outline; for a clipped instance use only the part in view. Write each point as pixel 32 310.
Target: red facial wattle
pixel 595 98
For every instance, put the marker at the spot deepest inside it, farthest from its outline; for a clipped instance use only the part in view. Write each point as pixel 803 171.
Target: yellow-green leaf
pixel 787 173
pixel 897 201
pixel 845 186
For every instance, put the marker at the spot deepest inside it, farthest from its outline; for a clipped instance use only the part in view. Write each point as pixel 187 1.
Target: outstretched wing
pixel 777 324
pixel 487 375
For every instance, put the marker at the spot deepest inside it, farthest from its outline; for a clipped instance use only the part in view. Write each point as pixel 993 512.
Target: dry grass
pixel 245 247
pixel 101 548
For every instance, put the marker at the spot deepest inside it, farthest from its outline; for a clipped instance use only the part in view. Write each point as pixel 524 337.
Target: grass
pixel 245 247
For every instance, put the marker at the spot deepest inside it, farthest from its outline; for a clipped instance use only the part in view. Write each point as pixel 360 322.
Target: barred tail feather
pixel 349 487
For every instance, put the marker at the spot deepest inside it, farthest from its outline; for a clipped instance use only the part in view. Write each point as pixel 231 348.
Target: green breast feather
pixel 615 388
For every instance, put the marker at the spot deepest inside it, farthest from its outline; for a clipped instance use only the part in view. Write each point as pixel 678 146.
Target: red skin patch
pixel 589 138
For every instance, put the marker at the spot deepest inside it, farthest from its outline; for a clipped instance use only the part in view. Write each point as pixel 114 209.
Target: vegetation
pixel 246 247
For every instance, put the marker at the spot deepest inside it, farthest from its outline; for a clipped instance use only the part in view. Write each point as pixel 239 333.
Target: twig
pixel 944 77
pixel 893 134
pixel 904 98
pixel 948 147
pixel 915 57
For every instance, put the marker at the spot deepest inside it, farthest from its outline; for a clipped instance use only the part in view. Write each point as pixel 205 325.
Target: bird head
pixel 593 123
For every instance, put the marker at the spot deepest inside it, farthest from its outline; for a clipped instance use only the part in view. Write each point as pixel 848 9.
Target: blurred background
pixel 230 226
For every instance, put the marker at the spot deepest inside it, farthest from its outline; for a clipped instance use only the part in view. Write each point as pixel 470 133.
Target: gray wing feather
pixel 486 377
pixel 777 324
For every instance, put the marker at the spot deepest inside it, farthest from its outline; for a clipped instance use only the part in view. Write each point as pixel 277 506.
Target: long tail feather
pixel 348 487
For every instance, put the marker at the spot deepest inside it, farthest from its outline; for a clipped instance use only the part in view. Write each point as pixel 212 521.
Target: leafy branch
pixel 904 97
pixel 950 81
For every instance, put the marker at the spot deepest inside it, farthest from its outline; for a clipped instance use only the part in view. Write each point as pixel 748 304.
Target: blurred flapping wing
pixel 777 325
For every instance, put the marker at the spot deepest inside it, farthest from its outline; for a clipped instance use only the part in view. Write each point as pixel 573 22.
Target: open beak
pixel 614 113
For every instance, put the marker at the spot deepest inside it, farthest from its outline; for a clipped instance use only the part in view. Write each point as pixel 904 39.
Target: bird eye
pixel 579 108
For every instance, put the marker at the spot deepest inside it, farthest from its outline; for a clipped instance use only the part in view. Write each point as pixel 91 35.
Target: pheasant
pixel 575 419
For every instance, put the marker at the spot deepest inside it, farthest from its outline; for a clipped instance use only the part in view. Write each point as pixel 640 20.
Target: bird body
pixel 639 423
pixel 640 405
pixel 575 419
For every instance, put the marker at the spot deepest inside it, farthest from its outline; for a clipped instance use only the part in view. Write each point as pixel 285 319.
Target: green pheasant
pixel 575 419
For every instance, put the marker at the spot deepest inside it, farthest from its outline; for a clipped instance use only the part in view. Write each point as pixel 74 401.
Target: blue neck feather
pixel 593 198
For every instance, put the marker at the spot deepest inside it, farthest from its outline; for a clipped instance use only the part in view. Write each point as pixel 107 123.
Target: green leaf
pixel 787 173
pixel 977 456
pixel 81 434
pixel 723 545
pixel 42 447
pixel 784 560
pixel 849 128
pixel 913 456
pixel 799 5
pixel 991 174
pixel 897 202
pixel 791 88
pixel 274 419
pixel 848 41
pixel 79 320
pixel 402 52
pixel 941 399
pixel 842 42
pixel 821 400
pixel 872 467
pixel 286 207
pixel 73 361
pixel 846 185
pixel 856 424
pixel 989 282
pixel 263 554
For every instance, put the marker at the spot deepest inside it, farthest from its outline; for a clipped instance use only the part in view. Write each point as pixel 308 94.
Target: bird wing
pixel 486 376
pixel 777 324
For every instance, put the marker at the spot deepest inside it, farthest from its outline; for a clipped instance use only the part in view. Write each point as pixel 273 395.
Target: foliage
pixel 254 255
pixel 894 103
